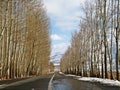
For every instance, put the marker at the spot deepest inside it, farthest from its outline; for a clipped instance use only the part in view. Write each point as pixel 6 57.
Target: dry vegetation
pixel 95 45
pixel 24 38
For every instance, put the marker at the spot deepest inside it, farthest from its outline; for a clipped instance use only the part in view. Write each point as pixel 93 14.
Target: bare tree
pixel 24 37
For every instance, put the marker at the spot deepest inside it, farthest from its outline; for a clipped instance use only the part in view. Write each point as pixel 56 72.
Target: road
pixel 59 82
pixel 38 83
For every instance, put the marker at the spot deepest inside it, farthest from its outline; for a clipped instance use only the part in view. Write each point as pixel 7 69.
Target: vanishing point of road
pixel 58 82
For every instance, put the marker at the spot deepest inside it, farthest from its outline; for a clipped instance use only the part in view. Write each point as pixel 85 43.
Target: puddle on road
pixel 61 85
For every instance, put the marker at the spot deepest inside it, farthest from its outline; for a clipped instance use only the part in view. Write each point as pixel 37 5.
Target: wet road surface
pixel 60 82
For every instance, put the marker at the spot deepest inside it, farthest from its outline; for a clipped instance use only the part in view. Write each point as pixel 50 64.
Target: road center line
pixel 50 82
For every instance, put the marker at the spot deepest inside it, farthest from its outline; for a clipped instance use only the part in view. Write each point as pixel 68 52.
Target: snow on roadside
pixel 99 80
pixel 70 75
pixel 61 73
pixel 102 81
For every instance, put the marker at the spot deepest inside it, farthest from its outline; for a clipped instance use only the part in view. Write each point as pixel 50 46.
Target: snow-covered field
pixel 99 80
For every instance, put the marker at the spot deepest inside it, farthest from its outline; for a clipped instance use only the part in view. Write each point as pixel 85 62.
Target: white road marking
pixel 50 83
pixel 32 89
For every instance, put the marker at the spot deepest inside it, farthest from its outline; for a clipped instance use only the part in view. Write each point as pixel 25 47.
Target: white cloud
pixel 60 7
pixel 59 49
pixel 65 13
pixel 67 25
pixel 52 6
pixel 55 37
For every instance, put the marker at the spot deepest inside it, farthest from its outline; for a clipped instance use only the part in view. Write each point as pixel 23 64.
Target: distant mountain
pixel 56 58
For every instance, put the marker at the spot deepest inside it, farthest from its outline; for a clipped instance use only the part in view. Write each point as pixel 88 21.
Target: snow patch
pixel 61 73
pixel 73 76
pixel 99 80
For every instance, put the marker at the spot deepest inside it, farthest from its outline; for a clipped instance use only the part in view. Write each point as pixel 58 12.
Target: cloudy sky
pixel 64 17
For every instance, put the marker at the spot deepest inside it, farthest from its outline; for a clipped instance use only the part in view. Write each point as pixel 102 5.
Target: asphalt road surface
pixel 59 82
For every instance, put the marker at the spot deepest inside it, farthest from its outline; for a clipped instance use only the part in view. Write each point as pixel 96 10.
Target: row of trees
pixel 24 38
pixel 94 49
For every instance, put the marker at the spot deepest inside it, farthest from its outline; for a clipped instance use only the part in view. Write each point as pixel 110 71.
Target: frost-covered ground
pixel 99 80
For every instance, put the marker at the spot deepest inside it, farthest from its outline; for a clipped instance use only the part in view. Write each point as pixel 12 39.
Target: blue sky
pixel 64 17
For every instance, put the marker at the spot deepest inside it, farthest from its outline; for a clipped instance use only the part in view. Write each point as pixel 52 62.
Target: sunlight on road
pixel 61 85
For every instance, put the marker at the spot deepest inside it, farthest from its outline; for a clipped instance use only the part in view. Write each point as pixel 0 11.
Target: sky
pixel 64 18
